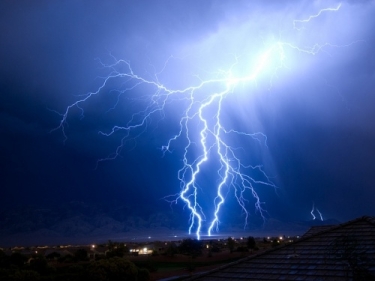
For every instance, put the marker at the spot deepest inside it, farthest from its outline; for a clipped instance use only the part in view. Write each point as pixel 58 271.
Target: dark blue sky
pixel 317 112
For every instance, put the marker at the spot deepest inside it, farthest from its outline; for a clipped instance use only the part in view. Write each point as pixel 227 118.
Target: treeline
pixel 113 267
pixel 111 263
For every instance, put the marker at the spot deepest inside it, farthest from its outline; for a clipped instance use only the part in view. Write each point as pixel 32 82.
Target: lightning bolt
pixel 301 23
pixel 320 215
pixel 312 212
pixel 205 138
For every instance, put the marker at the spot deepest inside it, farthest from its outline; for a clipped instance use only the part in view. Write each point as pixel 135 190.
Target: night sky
pixel 317 111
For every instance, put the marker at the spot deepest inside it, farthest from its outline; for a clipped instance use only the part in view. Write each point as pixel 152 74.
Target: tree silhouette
pixel 191 247
pixel 231 244
pixel 251 244
pixel 113 269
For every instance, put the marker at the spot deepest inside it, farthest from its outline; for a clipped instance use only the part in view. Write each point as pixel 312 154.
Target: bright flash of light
pixel 201 132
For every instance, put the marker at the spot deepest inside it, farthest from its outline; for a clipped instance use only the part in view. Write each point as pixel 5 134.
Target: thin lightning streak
pixel 296 22
pixel 320 215
pixel 312 212
pixel 203 133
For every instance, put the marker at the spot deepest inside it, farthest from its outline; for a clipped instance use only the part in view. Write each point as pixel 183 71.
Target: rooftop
pixel 342 252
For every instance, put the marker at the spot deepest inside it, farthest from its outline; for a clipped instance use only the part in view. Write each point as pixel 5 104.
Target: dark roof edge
pixel 369 219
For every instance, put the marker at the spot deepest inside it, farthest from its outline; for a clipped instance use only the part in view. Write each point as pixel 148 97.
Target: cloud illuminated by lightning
pixel 205 139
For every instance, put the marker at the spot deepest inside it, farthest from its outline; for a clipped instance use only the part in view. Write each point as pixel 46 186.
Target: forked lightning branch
pixel 201 132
